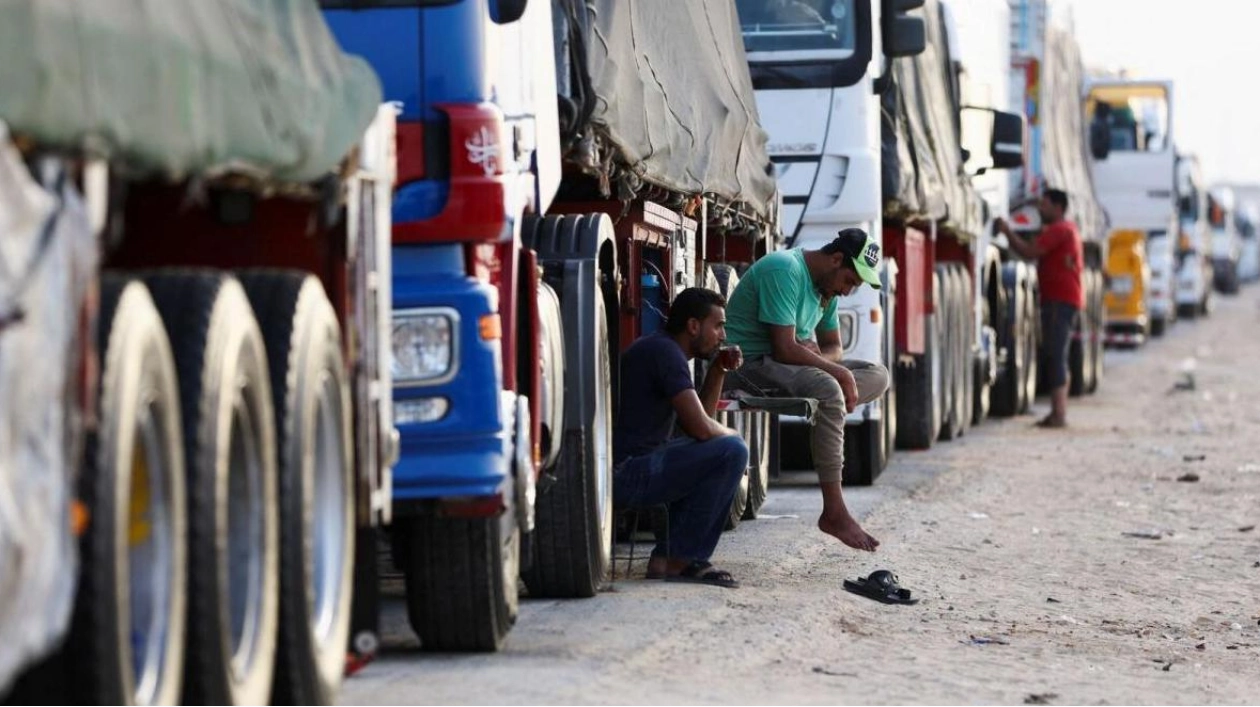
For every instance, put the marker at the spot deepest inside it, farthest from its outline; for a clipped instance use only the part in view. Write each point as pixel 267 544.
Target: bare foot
pixel 660 567
pixel 657 566
pixel 847 531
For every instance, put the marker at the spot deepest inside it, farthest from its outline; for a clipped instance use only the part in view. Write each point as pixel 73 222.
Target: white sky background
pixel 1211 51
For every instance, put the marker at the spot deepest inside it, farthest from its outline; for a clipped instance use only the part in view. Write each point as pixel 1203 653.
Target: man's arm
pixel 1030 249
pixel 693 418
pixel 711 389
pixel 829 344
pixel 786 349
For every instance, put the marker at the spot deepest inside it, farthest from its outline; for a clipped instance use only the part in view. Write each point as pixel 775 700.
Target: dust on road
pixel 1053 566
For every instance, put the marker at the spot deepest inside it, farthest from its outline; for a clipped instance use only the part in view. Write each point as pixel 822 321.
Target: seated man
pixel 780 305
pixel 696 474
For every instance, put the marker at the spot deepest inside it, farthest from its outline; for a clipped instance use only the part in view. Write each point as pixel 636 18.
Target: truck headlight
pixel 423 344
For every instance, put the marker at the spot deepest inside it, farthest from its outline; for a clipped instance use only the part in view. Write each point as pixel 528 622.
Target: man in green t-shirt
pixel 783 317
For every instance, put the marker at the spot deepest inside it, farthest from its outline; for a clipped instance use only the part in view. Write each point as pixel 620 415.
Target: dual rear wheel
pixel 220 494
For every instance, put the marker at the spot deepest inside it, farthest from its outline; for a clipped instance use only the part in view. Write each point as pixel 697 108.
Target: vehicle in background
pixel 1249 250
pixel 192 349
pixel 1248 198
pixel 1194 241
pixel 1135 186
pixel 1226 241
pixel 565 168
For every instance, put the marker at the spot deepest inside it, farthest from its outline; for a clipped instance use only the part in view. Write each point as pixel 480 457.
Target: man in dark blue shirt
pixel 697 473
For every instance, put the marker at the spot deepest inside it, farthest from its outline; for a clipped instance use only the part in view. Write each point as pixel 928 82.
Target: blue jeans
pixel 696 479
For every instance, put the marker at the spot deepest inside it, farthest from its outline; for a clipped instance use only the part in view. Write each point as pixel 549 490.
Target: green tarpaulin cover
pixel 185 87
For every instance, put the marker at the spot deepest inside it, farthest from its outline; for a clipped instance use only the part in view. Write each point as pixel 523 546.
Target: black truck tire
pixel 739 503
pixel 727 279
pixel 951 425
pixel 917 390
pixel 311 398
pixel 127 640
pixel 1008 392
pixel 233 511
pixel 966 355
pixel 1032 342
pixel 1097 313
pixel 1081 354
pixel 573 533
pixel 1077 364
pixel 981 400
pixel 461 579
pixel 758 463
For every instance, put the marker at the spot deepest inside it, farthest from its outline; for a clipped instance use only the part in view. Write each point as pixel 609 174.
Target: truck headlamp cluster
pixel 424 344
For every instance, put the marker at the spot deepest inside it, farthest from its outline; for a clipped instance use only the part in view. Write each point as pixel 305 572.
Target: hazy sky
pixel 1209 48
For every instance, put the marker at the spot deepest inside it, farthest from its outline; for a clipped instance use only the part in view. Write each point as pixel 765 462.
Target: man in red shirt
pixel 1060 261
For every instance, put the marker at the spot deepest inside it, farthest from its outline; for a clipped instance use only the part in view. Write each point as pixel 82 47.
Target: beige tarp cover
pixel 923 174
pixel 676 99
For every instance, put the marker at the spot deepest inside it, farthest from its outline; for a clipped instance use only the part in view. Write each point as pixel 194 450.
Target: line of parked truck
pixel 225 389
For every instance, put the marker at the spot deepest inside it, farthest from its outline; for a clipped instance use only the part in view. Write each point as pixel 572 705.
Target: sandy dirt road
pixel 1033 551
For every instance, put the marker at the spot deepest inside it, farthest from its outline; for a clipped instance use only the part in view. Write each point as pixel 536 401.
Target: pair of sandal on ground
pixel 694 572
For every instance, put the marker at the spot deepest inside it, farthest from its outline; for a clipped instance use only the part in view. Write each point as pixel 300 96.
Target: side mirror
pixel 903 36
pixel 505 12
pixel 1099 139
pixel 1009 137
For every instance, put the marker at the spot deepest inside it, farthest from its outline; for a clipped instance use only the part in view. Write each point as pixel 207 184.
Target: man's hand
pixel 729 357
pixel 810 344
pixel 847 385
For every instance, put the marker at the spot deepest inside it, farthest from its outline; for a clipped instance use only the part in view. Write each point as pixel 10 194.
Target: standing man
pixel 695 474
pixel 783 317
pixel 1060 261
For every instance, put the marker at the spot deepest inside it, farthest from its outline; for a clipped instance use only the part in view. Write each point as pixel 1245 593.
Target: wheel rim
pixel 603 435
pixel 150 537
pixel 761 433
pixel 246 537
pixel 328 536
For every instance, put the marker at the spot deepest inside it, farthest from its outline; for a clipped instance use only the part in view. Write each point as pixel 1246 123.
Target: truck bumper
pixel 1126 333
pixel 447 466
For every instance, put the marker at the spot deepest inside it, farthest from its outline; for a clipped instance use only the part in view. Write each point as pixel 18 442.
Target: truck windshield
pixel 796 25
pixel 1137 115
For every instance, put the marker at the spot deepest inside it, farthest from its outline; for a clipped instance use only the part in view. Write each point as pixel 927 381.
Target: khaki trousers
pixel 826 438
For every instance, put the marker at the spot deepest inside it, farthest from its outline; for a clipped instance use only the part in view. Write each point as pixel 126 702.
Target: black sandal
pixel 701 572
pixel 882 586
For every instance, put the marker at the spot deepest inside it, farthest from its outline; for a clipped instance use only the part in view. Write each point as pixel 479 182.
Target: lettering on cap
pixel 871 254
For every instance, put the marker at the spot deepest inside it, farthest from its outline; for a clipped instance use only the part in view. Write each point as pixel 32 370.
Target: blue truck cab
pixel 474 153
